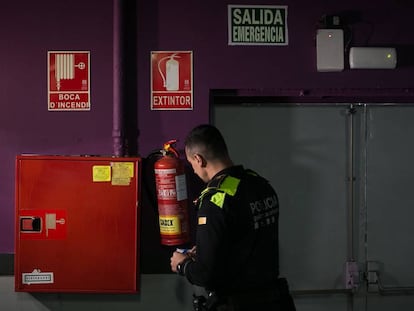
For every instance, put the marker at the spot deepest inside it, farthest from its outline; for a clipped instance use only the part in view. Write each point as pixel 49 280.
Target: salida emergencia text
pixel 258 25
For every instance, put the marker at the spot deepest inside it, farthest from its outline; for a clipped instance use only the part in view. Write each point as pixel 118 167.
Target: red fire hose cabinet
pixel 77 224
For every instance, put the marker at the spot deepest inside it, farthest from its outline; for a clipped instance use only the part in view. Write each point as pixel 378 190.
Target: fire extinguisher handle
pixel 168 147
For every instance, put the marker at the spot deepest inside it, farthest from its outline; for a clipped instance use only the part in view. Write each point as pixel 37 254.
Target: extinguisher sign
pixel 68 80
pixel 171 80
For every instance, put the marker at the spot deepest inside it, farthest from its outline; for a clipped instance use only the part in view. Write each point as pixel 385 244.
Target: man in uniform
pixel 236 257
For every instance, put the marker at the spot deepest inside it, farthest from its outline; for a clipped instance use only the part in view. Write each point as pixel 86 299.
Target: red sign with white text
pixel 171 80
pixel 68 80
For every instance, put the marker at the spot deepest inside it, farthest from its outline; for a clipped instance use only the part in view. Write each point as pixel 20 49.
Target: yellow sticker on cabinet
pixel 122 169
pixel 122 172
pixel 101 173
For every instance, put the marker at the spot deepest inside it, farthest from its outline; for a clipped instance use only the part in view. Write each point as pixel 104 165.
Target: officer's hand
pixel 175 259
pixel 193 250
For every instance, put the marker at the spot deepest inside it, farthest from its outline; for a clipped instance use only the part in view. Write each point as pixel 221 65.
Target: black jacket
pixel 237 233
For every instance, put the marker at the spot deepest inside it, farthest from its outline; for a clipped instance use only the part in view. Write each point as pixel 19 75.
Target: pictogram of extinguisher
pixel 171 78
pixel 171 187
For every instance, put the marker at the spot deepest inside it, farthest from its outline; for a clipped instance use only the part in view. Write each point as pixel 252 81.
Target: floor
pixel 158 291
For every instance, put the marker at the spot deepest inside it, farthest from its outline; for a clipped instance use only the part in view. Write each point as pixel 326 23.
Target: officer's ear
pixel 200 160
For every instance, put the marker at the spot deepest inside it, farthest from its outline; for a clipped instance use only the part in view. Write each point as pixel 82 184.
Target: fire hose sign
pixel 171 80
pixel 68 81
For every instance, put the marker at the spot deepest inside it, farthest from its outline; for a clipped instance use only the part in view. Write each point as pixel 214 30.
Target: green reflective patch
pixel 218 199
pixel 229 185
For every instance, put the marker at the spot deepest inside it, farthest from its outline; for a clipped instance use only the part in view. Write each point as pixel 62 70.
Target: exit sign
pixel 257 25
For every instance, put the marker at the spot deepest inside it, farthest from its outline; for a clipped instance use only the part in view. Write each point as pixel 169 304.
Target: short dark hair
pixel 208 141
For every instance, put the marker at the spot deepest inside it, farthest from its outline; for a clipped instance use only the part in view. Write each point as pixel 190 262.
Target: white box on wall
pixel 372 58
pixel 330 50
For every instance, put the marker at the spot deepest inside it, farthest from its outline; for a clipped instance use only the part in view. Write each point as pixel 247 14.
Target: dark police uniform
pixel 237 259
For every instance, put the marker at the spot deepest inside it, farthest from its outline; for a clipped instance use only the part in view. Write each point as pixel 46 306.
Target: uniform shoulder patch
pixel 202 220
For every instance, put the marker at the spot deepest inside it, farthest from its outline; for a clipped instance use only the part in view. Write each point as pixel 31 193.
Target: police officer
pixel 236 257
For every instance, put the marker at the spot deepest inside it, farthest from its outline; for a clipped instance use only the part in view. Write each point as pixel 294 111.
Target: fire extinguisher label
pixel 166 182
pixel 181 187
pixel 170 186
pixel 165 171
pixel 166 194
pixel 170 225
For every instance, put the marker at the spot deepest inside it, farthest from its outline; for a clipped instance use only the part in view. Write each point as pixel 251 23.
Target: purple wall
pixel 29 29
pixel 271 70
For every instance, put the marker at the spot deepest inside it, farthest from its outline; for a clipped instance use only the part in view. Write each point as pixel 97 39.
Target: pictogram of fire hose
pixel 51 222
pixel 65 67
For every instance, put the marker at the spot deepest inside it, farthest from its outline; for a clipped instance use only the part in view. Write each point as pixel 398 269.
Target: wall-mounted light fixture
pixel 372 58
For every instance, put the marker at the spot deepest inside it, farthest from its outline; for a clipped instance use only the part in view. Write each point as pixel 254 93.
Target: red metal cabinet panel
pixel 77 221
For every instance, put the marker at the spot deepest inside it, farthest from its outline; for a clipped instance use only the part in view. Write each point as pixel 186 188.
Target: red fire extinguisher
pixel 171 186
